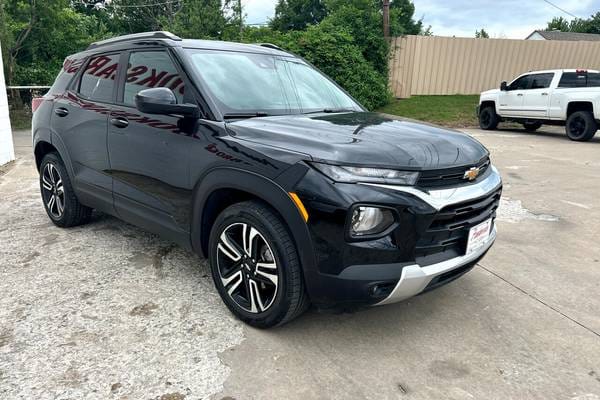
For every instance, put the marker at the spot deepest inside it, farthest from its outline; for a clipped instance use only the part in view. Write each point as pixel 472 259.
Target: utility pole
pixel 386 18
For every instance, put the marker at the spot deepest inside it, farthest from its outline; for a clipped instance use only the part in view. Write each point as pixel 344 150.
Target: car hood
pixel 362 138
pixel 490 92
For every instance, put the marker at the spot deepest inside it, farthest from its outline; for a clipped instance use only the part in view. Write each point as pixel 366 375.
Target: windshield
pixel 246 83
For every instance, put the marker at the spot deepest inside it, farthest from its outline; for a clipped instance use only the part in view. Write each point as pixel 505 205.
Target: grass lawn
pixel 456 111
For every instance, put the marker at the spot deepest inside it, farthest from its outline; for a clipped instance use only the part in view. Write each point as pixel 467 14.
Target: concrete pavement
pixel 108 311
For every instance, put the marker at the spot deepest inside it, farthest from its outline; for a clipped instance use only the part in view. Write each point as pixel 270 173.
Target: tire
pixel 58 195
pixel 488 119
pixel 581 126
pixel 240 271
pixel 532 126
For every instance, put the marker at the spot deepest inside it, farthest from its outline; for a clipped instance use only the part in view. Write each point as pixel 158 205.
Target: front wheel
pixel 255 265
pixel 581 126
pixel 488 119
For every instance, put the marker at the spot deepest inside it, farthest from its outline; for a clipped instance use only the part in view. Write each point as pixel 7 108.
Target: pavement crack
pixel 556 310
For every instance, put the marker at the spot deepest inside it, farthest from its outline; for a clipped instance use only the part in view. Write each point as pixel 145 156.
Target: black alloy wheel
pixel 581 126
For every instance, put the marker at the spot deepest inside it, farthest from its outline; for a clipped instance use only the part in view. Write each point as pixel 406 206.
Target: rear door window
pixel 98 80
pixel 151 69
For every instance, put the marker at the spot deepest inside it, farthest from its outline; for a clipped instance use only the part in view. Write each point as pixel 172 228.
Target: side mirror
pixel 163 101
pixel 504 86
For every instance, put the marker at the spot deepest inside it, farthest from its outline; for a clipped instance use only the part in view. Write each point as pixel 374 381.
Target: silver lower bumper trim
pixel 415 278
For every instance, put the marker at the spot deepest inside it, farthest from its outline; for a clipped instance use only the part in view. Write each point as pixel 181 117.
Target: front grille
pixel 450 176
pixel 447 234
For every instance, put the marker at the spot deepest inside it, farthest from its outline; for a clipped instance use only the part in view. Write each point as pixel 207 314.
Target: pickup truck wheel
pixel 488 119
pixel 581 126
pixel 532 126
pixel 255 265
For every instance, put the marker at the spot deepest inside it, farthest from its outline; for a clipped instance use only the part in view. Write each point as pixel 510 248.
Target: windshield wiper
pixel 245 115
pixel 331 111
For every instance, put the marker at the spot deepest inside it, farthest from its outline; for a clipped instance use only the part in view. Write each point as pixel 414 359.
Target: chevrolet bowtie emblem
pixel 471 174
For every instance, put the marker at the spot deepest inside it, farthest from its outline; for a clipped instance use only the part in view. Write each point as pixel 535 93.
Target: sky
pixel 513 19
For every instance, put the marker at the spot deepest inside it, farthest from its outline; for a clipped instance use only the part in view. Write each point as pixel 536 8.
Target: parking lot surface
pixel 107 311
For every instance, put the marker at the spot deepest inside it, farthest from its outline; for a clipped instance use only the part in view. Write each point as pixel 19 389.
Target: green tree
pixel 482 34
pixel 402 20
pixel 37 35
pixel 589 25
pixel 559 24
pixel 297 14
pixel 362 19
pixel 203 19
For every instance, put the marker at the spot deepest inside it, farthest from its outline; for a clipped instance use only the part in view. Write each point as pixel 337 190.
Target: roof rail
pixel 270 46
pixel 135 36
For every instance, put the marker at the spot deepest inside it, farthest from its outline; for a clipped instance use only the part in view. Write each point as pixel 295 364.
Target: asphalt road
pixel 107 311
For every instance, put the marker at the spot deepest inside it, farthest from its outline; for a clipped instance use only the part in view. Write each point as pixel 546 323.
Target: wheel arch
pixel 42 148
pixel 575 106
pixel 43 144
pixel 488 103
pixel 223 187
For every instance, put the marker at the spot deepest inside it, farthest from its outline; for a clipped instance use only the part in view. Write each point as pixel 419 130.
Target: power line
pixel 561 9
pixel 104 4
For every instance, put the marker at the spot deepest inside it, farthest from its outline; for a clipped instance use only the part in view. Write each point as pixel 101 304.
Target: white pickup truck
pixel 566 97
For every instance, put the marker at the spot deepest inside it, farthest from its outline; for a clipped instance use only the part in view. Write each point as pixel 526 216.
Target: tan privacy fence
pixel 444 65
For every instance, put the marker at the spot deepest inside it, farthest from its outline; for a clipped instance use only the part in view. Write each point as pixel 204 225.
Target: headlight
pixel 349 174
pixel 370 221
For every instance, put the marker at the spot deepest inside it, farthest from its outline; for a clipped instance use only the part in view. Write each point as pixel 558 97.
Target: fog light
pixel 370 220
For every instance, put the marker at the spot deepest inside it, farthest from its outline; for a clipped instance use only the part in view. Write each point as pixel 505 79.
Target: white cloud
pixel 513 19
pixel 258 11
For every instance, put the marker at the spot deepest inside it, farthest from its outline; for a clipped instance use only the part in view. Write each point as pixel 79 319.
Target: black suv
pixel 248 155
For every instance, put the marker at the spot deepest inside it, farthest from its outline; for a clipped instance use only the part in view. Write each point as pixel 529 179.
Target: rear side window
pixel 66 74
pixel 575 80
pixel 593 80
pixel 151 69
pixel 541 81
pixel 98 79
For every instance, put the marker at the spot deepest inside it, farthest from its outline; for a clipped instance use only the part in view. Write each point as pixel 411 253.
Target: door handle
pixel 119 122
pixel 544 94
pixel 520 94
pixel 61 112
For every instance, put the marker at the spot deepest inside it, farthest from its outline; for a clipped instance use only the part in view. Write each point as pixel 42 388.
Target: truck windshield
pixel 261 84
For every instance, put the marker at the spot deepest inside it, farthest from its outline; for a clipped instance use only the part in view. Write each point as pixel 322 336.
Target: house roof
pixel 573 36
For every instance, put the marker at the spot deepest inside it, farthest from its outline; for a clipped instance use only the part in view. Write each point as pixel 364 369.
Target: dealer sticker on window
pixel 478 236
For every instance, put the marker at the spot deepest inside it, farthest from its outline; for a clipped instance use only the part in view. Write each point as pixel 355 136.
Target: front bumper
pixel 415 279
pixel 400 265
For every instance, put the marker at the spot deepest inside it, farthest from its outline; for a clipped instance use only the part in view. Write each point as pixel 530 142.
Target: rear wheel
pixel 60 202
pixel 255 265
pixel 532 126
pixel 581 126
pixel 488 119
